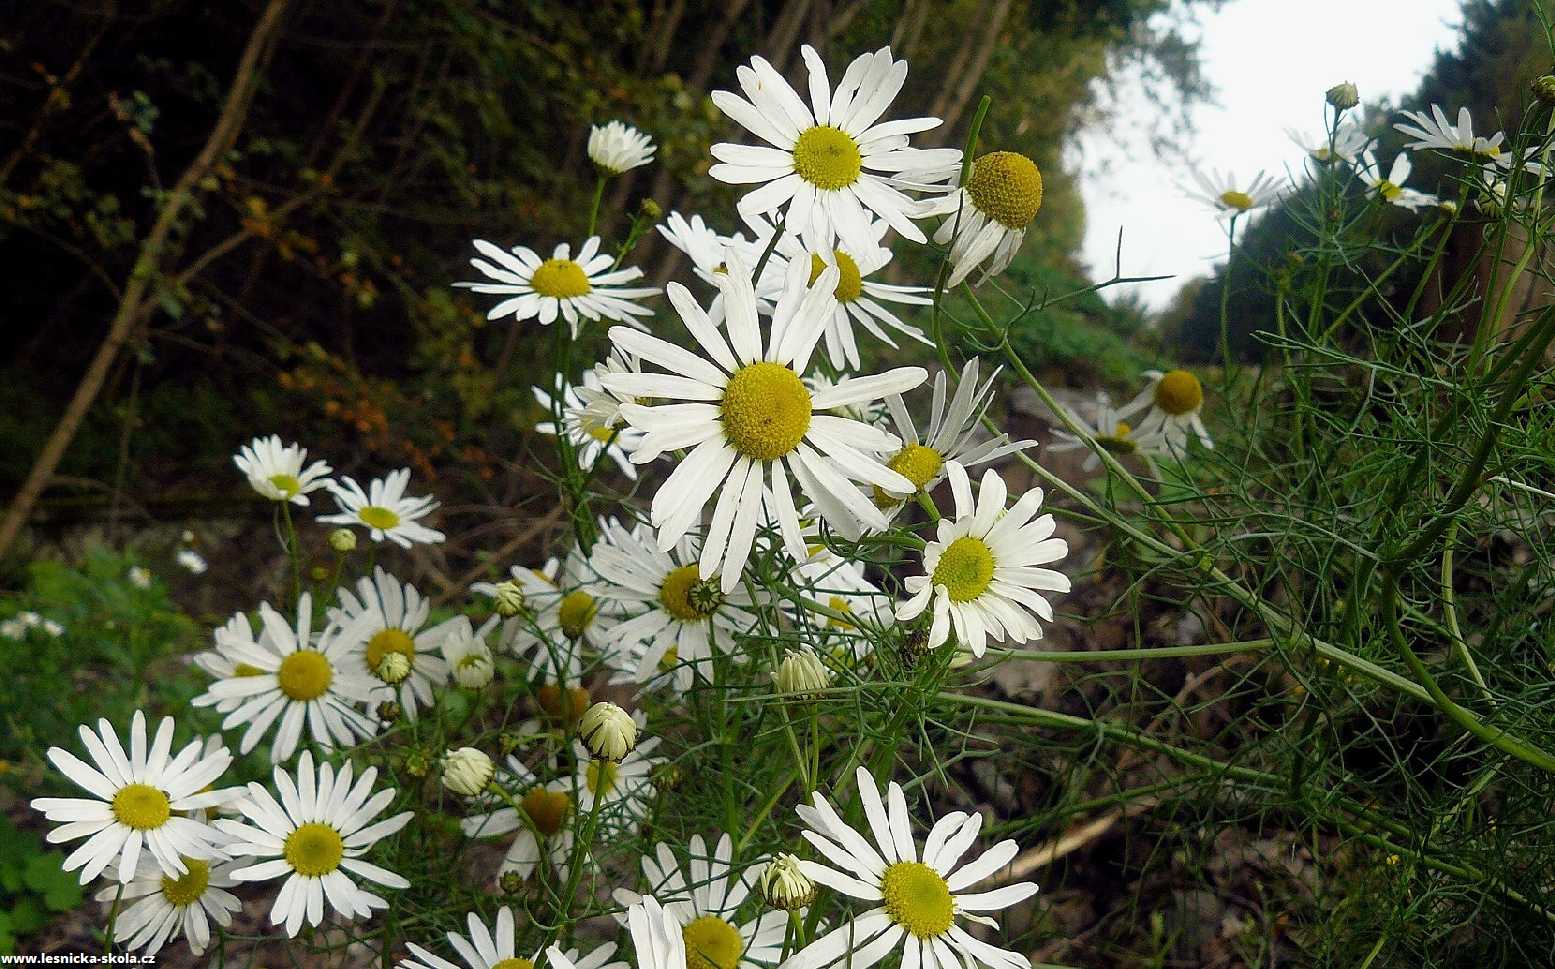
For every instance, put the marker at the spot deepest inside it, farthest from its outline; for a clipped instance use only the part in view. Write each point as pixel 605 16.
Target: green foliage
pixel 33 887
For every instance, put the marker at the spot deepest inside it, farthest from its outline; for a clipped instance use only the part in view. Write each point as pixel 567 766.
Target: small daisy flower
pixel 137 800
pixel 562 614
pixel 545 828
pixel 986 219
pixel 821 160
pixel 656 940
pixel 677 618
pixel 53 628
pixel 192 561
pixel 601 405
pixel 589 438
pixel 1111 432
pixel 276 471
pixel 296 679
pixel 840 585
pixel 384 510
pixel 918 897
pixel 859 299
pixel 1171 402
pixel 617 147
pixel 983 573
pixel 952 437
pixel 1434 131
pixel 749 422
pixel 159 908
pixel 1230 198
pixel 13 629
pixel 315 837
pixel 624 786
pixel 464 647
pixel 140 577
pixel 1391 189
pixel 585 288
pixel 496 947
pixel 390 617
pixel 704 900
pixel 1349 139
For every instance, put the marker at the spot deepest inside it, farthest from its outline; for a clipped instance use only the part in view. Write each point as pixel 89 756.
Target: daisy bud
pixel 608 731
pixel 801 673
pixel 667 776
pixel 510 599
pixel 393 668
pixel 416 764
pixel 342 540
pixel 511 882
pixel 508 742
pixel 914 648
pixel 1343 96
pixel 467 771
pixel 784 884
pixel 650 210
pixel 1447 207
pixel 389 711
pixel 1543 88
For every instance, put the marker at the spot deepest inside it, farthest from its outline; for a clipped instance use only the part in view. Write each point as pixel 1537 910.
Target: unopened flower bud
pixel 650 209
pixel 1343 96
pixel 608 731
pixel 416 764
pixel 508 742
pixel 389 711
pixel 342 540
pixel 801 673
pixel 1543 88
pixel 784 884
pixel 667 776
pixel 467 771
pixel 511 883
pixel 913 649
pixel 510 599
pixel 1447 207
pixel 393 668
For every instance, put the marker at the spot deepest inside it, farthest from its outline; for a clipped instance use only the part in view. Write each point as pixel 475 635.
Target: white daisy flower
pixel 840 585
pixel 1228 197
pixel 601 405
pixel 53 628
pixel 464 649
pixel 13 629
pixel 624 786
pixel 656 940
pixel 496 947
pixel 747 417
pixel 858 297
pixel 390 617
pixel 158 908
pixel 986 219
pixel 589 438
pixel 1171 402
pixel 585 288
pixel 1391 189
pixel 193 561
pixel 140 577
pixel 617 147
pixel 677 619
pixel 545 828
pixel 1346 145
pixel 1434 131
pixel 383 509
pixel 704 901
pixel 316 836
pixel 918 897
pixel 954 436
pixel 136 800
pixel 276 471
pixel 1114 434
pixel 983 572
pixel 299 680
pixel 823 158
pixel 562 614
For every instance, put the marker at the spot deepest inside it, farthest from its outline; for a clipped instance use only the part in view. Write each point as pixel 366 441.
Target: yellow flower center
pixel 839 604
pixel 559 279
pixel 285 484
pixel 827 158
pixel 186 889
pixel 565 706
pixel 965 568
pixel 850 282
pixel 1007 187
pixel 914 462
pixel 576 612
pixel 603 435
pixel 141 806
pixel 379 517
pixel 1120 441
pixel 514 963
pixel 917 899
pixel 670 659
pixel 305 675
pixel 247 669
pixel 766 411
pixel 1179 393
pixel 601 776
pixel 386 641
pixel 712 943
pixel 546 809
pixel 1240 201
pixel 676 595
pixel 1388 190
pixel 314 850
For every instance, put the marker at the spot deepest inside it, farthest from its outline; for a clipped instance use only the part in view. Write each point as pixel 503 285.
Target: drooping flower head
pixel 985 221
pixel 1171 403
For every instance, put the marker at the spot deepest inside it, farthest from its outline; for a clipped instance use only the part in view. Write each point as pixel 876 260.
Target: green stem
pixel 599 193
pixel 1450 613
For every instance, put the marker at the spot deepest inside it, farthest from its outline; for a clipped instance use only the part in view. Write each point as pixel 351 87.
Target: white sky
pixel 1269 62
